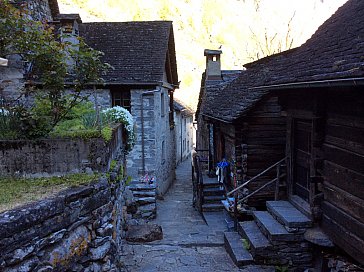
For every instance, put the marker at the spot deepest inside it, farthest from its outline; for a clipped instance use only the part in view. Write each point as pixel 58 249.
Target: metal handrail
pixel 261 188
pixel 255 177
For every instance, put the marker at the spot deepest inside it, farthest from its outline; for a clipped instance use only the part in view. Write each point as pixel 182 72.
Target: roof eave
pixel 217 119
pixel 314 84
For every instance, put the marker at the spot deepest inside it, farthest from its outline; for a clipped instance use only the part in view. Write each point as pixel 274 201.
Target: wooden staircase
pixel 213 193
pixel 275 237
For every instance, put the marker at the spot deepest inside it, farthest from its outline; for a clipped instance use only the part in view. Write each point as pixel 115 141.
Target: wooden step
pixel 213 191
pixel 235 247
pixel 210 207
pixel 213 185
pixel 288 215
pixel 272 229
pixel 213 199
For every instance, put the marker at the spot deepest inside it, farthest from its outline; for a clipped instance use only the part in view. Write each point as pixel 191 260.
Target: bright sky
pixel 236 25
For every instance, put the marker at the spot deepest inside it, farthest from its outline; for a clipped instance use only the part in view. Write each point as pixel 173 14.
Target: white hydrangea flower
pixel 122 115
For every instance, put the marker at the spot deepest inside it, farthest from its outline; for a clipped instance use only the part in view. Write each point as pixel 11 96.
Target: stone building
pixel 183 118
pixel 143 80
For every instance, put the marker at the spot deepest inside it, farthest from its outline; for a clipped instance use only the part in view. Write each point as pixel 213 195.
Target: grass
pixel 15 192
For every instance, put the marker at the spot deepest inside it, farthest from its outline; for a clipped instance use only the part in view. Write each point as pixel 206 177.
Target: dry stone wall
pixel 58 156
pixel 80 229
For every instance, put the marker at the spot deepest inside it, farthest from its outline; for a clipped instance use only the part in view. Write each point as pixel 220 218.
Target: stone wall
pixel 58 156
pixel 11 77
pixel 80 229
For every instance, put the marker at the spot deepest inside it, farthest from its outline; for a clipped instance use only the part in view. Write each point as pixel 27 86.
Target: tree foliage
pixel 55 67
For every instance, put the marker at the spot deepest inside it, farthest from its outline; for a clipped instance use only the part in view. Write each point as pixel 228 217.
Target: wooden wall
pixel 343 170
pixel 263 132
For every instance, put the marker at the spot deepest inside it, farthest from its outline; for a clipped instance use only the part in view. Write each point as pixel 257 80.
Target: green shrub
pixel 106 133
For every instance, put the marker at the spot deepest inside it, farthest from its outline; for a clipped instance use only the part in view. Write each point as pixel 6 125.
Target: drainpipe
pixel 142 124
pixel 181 137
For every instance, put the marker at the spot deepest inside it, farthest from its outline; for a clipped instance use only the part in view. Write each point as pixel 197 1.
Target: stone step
pixel 288 215
pixel 144 200
pixel 272 229
pixel 259 245
pixel 213 185
pixel 144 193
pixel 141 187
pixel 213 199
pixel 209 207
pixel 235 247
pixel 213 191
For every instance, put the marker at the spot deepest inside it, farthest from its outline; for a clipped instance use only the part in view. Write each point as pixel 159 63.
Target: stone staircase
pixel 145 198
pixel 274 237
pixel 213 193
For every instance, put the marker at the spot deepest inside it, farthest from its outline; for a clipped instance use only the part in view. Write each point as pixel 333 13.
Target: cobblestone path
pixel 189 243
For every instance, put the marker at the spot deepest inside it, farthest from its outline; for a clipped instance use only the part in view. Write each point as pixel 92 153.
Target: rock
pixel 144 200
pixel 144 233
pixel 20 254
pixel 47 268
pixel 76 244
pixel 318 237
pixel 25 266
pixel 100 252
pixel 105 230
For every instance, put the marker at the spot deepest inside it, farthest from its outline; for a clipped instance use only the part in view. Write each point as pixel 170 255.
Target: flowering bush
pixel 119 114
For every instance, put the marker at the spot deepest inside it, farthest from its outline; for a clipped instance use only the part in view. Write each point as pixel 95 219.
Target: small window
pixel 121 97
pixel 214 58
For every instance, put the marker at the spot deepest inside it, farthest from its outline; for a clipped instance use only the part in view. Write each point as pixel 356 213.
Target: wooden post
pixel 276 194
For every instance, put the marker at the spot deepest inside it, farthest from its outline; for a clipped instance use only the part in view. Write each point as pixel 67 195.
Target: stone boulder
pixel 144 233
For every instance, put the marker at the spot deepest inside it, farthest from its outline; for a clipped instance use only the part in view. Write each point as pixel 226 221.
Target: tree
pixel 38 44
pixel 271 44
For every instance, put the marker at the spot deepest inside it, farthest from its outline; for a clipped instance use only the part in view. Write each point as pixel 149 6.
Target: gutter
pixel 314 84
pixel 217 119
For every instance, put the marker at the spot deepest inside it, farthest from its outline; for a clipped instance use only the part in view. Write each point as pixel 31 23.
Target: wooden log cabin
pixel 240 126
pixel 320 87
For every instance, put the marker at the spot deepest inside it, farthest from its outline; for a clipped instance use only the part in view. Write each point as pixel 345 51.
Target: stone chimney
pixel 69 27
pixel 213 64
pixel 69 31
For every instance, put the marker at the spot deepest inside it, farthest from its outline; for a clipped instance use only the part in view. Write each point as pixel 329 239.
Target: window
pixel 162 105
pixel 121 97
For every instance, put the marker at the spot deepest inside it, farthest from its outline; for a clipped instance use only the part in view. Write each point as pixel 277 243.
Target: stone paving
pixel 190 243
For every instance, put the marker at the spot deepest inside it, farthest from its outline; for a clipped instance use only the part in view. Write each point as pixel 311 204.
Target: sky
pixel 239 27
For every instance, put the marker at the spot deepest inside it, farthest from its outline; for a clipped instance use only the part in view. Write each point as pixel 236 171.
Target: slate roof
pixel 179 106
pixel 334 52
pixel 137 50
pixel 209 88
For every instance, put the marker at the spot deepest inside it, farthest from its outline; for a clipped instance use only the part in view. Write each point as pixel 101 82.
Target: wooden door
pixel 301 158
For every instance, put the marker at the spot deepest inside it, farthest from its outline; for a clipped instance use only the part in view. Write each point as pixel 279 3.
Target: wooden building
pixel 242 126
pixel 320 87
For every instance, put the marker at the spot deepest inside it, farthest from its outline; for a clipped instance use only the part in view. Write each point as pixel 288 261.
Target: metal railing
pixel 197 182
pixel 236 191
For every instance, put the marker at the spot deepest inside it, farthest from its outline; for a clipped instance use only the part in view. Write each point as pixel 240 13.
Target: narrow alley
pixel 189 243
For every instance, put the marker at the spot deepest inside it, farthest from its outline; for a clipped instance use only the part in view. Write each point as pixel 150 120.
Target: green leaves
pixel 61 68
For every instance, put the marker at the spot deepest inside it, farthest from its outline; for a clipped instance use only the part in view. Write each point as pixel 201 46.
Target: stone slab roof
pixel 138 51
pixel 334 52
pixel 181 107
pixel 210 90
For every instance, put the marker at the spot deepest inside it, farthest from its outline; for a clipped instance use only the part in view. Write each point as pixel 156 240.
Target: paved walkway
pixel 190 244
